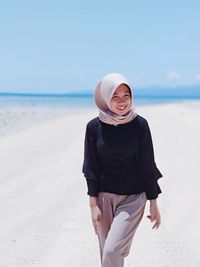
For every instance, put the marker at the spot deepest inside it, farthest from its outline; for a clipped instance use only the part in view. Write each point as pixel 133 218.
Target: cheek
pixel 113 104
pixel 129 101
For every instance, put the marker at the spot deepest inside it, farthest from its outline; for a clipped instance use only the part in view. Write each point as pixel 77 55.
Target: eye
pixel 114 97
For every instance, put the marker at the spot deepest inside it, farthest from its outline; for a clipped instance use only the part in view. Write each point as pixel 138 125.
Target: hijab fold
pixel 103 95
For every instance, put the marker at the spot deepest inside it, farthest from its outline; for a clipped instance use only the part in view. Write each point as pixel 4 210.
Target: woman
pixel 120 170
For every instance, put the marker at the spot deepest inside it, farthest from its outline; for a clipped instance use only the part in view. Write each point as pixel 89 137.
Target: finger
pixel 96 230
pixel 96 219
pixel 156 225
pixel 96 226
pixel 151 218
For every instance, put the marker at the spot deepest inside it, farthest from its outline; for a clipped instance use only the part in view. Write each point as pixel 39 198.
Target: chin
pixel 122 113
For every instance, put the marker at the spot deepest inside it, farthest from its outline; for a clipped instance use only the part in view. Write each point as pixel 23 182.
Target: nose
pixel 121 101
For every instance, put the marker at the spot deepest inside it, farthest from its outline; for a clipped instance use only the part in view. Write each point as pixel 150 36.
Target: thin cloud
pixel 197 78
pixel 173 76
pixel 83 76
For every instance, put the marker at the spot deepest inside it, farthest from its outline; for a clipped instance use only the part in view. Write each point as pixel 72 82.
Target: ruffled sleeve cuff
pixel 152 190
pixel 93 188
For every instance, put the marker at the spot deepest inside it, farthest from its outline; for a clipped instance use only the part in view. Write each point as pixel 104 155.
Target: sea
pixel 21 111
pixel 77 101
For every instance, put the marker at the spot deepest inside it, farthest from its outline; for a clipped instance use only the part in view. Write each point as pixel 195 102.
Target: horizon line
pixel 45 94
pixel 90 94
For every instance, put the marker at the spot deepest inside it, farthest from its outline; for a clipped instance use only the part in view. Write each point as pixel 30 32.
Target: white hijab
pixel 103 95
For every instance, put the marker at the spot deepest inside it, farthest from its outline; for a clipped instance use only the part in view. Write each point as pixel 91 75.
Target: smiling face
pixel 121 100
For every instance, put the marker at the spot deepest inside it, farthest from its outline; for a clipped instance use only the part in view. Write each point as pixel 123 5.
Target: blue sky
pixel 60 46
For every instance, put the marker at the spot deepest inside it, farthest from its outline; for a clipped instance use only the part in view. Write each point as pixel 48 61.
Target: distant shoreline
pixel 47 94
pixel 78 101
pixel 90 95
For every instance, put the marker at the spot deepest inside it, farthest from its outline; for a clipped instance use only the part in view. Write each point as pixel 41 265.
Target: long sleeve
pixel 90 167
pixel 148 169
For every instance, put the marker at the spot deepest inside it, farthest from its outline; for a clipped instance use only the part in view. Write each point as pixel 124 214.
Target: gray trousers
pixel 121 215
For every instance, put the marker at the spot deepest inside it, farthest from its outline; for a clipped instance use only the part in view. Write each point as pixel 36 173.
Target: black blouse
pixel 120 159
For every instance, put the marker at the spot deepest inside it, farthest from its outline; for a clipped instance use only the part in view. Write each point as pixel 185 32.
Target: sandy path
pixel 44 216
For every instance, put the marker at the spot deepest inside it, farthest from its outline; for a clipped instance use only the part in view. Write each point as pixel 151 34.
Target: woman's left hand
pixel 154 214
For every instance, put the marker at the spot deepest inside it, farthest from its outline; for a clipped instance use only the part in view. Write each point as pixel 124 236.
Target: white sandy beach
pixel 44 212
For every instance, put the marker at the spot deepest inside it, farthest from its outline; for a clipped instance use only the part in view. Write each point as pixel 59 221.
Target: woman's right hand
pixel 96 216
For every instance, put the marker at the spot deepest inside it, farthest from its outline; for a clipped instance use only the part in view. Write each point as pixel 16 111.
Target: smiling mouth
pixel 121 108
